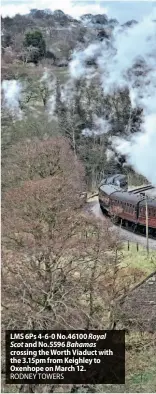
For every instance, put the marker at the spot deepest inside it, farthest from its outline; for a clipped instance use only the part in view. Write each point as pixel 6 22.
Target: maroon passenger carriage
pixel 129 207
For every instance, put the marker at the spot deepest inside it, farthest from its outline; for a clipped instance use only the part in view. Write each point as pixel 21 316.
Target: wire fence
pixel 129 246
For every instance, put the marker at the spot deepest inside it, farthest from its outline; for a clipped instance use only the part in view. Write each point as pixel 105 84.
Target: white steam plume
pixel 100 126
pixel 78 67
pixel 48 86
pixel 141 150
pixel 12 90
pixel 109 154
pixel 116 62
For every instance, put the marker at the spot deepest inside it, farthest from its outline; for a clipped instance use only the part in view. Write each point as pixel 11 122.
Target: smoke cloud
pixel 141 149
pixel 78 67
pixel 12 91
pixel 48 86
pixel 117 62
pixel 100 126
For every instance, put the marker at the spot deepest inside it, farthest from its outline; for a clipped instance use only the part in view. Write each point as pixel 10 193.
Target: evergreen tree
pixel 34 39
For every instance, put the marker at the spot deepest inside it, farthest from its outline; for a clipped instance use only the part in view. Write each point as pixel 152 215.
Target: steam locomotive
pixel 128 207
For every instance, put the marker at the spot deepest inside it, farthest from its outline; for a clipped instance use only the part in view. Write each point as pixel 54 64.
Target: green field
pixel 139 259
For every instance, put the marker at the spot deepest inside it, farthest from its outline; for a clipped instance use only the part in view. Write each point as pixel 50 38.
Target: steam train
pixel 128 207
